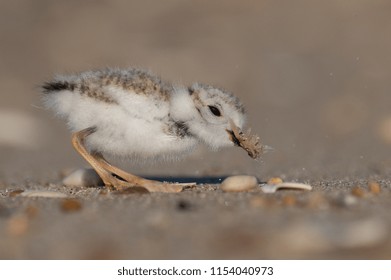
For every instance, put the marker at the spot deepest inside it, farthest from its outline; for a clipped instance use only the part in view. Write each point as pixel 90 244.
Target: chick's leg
pixel 106 171
pixel 150 185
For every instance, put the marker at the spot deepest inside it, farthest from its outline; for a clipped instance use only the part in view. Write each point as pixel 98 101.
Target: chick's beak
pixel 250 143
pixel 233 138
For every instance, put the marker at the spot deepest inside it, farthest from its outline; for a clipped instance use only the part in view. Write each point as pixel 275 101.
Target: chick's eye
pixel 215 111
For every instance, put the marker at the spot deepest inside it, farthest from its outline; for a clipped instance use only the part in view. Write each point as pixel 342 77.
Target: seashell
pixel 48 194
pixel 83 177
pixel 286 185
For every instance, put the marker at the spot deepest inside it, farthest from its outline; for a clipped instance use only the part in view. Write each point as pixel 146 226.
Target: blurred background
pixel 314 76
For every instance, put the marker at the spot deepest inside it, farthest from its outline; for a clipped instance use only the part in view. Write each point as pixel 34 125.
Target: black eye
pixel 214 111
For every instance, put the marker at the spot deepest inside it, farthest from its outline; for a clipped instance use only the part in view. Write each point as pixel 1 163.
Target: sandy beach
pixel 315 80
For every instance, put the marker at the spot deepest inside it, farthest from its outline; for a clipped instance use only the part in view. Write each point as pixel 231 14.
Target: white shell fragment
pixel 83 177
pixel 239 183
pixel 285 185
pixel 48 194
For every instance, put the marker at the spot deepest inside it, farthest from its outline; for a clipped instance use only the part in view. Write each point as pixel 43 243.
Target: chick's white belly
pixel 136 137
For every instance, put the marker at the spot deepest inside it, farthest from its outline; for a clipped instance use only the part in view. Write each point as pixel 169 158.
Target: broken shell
pixel 49 194
pixel 83 177
pixel 239 183
pixel 286 185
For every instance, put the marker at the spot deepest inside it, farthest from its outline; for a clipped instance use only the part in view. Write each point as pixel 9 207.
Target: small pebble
pixel 274 181
pixel 374 187
pixel 239 183
pixel 70 205
pixel 358 192
pixel 48 194
pixel 286 185
pixel 84 177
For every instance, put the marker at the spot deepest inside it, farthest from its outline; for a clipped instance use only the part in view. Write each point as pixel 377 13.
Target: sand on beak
pixel 250 143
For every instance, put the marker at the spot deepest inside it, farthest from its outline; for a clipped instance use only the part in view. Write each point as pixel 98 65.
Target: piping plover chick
pixel 135 114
